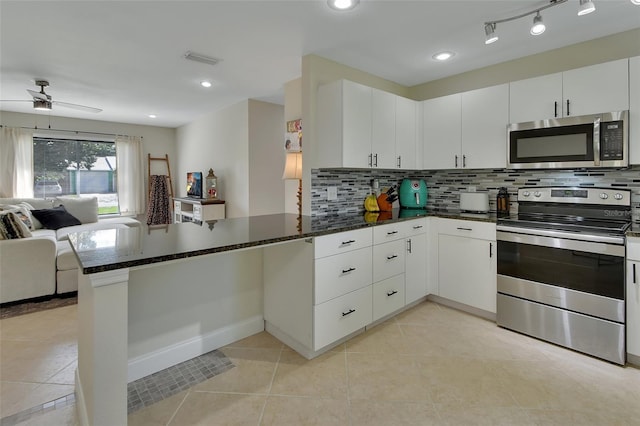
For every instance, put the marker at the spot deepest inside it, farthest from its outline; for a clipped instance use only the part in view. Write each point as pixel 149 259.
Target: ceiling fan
pixel 42 101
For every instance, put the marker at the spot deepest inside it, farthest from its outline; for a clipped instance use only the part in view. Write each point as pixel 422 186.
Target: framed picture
pixel 293 136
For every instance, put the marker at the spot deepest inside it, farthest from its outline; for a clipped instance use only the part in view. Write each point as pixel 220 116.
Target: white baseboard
pixel 81 407
pixel 155 361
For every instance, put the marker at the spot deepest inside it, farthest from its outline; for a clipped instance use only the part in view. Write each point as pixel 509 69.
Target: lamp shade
pixel 293 166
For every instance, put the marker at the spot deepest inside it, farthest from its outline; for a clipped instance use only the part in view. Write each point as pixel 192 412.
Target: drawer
pixel 341 274
pixel 415 227
pixel 342 316
pixel 633 248
pixel 389 232
pixel 388 259
pixel 197 212
pixel 467 228
pixel 341 242
pixel 388 296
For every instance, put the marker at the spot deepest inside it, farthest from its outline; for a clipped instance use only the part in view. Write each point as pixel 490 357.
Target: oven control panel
pixel 573 195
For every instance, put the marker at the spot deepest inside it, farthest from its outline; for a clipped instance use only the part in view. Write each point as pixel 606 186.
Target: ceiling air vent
pixel 201 58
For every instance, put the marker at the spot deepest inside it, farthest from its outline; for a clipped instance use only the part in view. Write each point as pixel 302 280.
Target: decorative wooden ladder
pixel 170 182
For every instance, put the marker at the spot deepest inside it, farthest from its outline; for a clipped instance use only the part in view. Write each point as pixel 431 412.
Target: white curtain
pixel 130 169
pixel 16 162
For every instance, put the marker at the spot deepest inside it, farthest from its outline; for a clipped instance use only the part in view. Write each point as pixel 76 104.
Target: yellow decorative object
pixel 371 217
pixel 371 203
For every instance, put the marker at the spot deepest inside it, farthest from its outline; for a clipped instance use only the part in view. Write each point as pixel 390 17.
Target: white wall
pixel 157 141
pixel 266 158
pixel 243 145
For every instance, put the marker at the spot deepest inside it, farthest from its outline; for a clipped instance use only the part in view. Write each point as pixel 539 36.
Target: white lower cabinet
pixel 416 260
pixel 388 296
pixel 633 299
pixel 467 263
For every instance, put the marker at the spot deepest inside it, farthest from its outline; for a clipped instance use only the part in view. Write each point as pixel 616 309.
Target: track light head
pixel 490 33
pixel 586 7
pixel 538 26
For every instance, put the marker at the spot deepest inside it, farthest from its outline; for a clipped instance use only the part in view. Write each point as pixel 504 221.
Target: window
pixel 83 168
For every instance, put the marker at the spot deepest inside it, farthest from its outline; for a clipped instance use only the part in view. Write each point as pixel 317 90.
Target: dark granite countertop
pixel 111 249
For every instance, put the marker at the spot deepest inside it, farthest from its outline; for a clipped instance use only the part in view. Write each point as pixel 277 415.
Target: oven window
pixel 577 270
pixel 557 144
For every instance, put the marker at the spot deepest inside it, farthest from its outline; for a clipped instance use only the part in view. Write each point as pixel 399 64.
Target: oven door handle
pixel 606 239
pixel 561 243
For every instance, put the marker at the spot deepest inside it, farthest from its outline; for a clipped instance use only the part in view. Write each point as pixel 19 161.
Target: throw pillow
pixel 11 227
pixel 84 209
pixel 55 218
pixel 22 211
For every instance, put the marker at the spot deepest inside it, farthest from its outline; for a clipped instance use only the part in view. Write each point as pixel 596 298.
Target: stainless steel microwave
pixel 587 141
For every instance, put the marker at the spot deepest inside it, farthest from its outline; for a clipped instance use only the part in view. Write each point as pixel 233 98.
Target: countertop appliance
pixel 561 268
pixel 474 202
pixel 587 141
pixel 413 194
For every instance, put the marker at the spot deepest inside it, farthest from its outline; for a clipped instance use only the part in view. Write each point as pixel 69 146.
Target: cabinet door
pixel 596 88
pixel 356 125
pixel 467 271
pixel 536 98
pixel 415 274
pixel 383 129
pixel 441 134
pixel 485 116
pixel 406 148
pixel 633 307
pixel 634 110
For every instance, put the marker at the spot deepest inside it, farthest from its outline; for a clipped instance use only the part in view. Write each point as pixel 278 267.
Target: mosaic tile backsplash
pixel 444 186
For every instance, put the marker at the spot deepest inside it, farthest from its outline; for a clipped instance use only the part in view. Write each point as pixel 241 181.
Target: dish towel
pixel 158 212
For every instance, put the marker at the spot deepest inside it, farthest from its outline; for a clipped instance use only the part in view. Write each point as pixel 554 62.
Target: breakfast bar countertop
pixel 111 249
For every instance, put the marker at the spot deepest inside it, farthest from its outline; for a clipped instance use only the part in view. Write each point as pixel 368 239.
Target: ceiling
pixel 126 57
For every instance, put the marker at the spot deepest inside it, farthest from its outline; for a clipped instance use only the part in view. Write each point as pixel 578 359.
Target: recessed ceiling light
pixel 152 116
pixel 342 4
pixel 205 83
pixel 443 56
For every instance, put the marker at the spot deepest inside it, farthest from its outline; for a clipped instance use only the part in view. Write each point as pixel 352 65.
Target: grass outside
pixel 108 210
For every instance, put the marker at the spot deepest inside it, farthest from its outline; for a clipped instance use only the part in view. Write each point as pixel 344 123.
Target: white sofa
pixel 44 264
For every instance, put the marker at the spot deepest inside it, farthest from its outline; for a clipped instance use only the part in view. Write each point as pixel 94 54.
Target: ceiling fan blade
pixel 38 95
pixel 78 107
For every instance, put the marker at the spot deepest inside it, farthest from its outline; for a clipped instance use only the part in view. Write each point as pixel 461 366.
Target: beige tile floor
pixel 429 365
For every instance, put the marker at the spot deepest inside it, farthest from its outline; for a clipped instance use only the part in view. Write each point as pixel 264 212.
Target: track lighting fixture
pixel 538 27
pixel 586 7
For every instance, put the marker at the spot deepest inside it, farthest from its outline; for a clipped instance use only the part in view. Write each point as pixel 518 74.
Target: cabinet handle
pixel 346 271
pixel 464 161
pixel 490 249
pixel 344 243
pixel 393 256
pixel 392 292
pixel 634 274
pixel 555 108
pixel 409 245
pixel 465 229
pixel 392 232
pixel 417 227
pixel 456 161
pixel 399 161
pixel 370 160
pixel 375 157
pixel 568 113
pixel 349 312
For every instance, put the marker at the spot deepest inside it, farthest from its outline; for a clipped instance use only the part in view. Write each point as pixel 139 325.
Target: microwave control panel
pixel 611 140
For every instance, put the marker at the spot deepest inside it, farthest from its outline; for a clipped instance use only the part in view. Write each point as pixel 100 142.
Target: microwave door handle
pixel 596 141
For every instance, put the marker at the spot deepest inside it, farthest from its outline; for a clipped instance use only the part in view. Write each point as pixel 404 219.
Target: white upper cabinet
pixel 485 116
pixel 634 110
pixel 344 125
pixel 442 132
pixel 588 90
pixel 466 130
pixel 360 127
pixel 406 134
pixel 383 129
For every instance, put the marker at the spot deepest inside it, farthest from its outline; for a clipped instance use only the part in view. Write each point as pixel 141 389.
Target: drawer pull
pixel 346 271
pixel 417 227
pixel 392 232
pixel 465 229
pixel 393 256
pixel 392 292
pixel 349 312
pixel 344 243
pixel 634 274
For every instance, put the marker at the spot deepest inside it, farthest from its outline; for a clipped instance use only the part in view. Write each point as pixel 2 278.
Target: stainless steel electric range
pixel 561 268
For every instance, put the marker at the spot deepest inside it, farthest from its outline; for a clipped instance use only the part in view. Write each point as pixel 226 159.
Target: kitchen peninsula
pixel 153 297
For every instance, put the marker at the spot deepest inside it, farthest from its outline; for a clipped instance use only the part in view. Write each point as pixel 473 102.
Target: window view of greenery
pixel 76 167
